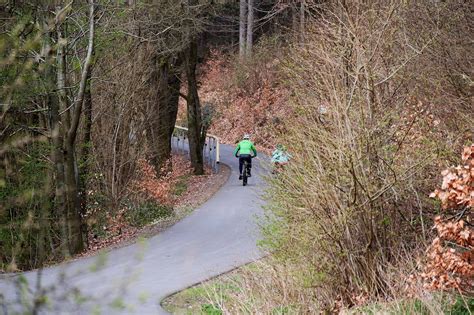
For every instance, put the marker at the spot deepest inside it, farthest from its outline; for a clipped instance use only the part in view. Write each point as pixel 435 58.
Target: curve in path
pixel 217 237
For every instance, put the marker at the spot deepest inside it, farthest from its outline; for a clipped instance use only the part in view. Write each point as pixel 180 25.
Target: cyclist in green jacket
pixel 244 152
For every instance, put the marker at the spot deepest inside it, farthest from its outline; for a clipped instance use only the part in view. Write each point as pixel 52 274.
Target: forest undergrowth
pixel 377 103
pixel 155 202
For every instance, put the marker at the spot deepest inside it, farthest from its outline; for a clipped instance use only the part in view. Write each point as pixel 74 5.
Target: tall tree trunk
pixel 86 151
pixel 55 152
pixel 58 160
pixel 164 108
pixel 242 25
pixel 194 111
pixel 193 104
pixel 294 18
pixel 302 20
pixel 67 152
pixel 76 241
pixel 52 77
pixel 70 124
pixel 250 29
pixel 74 219
pixel 59 127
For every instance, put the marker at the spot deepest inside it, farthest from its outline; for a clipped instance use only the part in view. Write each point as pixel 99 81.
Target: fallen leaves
pixel 159 188
pixel 149 186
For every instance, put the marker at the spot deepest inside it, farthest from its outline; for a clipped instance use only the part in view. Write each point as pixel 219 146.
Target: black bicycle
pixel 246 166
pixel 245 173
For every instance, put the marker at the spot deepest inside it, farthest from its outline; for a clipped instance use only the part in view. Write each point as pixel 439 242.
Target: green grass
pixel 462 306
pixel 450 305
pixel 197 299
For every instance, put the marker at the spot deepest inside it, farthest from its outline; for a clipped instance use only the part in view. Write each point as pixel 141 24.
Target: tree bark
pixel 192 99
pixel 250 21
pixel 165 80
pixel 86 150
pixel 52 124
pixel 194 111
pixel 76 241
pixel 294 17
pixel 242 25
pixel 59 126
pixel 68 138
pixel 74 219
pixel 58 160
pixel 302 20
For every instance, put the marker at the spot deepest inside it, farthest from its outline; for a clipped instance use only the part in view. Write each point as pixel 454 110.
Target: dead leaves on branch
pixel 450 257
pixel 457 187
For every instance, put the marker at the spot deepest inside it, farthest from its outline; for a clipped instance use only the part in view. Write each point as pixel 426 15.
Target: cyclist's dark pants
pixel 242 158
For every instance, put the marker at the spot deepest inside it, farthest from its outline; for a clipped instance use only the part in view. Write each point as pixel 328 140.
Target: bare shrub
pixel 119 121
pixel 365 141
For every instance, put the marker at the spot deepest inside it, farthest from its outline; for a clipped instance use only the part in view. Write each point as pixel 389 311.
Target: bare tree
pixel 242 25
pixel 192 98
pixel 302 19
pixel 250 22
pixel 64 134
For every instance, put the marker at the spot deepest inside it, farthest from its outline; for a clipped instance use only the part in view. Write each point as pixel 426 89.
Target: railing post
pixel 212 142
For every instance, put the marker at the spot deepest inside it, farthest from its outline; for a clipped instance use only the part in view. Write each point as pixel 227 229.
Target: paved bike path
pixel 217 237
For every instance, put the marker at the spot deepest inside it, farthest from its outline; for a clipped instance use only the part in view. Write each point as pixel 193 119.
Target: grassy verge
pixel 207 297
pixel 266 287
pixel 429 304
pixel 257 288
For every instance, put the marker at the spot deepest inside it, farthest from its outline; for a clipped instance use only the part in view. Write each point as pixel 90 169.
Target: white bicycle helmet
pixel 246 136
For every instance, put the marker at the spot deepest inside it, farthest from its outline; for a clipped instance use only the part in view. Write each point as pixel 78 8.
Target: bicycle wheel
pixel 244 174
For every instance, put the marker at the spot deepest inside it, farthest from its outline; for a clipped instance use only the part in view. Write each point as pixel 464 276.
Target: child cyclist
pixel 280 157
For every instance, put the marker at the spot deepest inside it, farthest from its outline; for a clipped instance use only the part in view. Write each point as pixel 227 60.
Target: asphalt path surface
pixel 217 237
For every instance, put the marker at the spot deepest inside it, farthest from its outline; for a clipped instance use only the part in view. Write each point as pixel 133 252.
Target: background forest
pixel 372 98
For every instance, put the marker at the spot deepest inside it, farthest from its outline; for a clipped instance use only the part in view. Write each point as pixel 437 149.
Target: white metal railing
pixel 211 149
